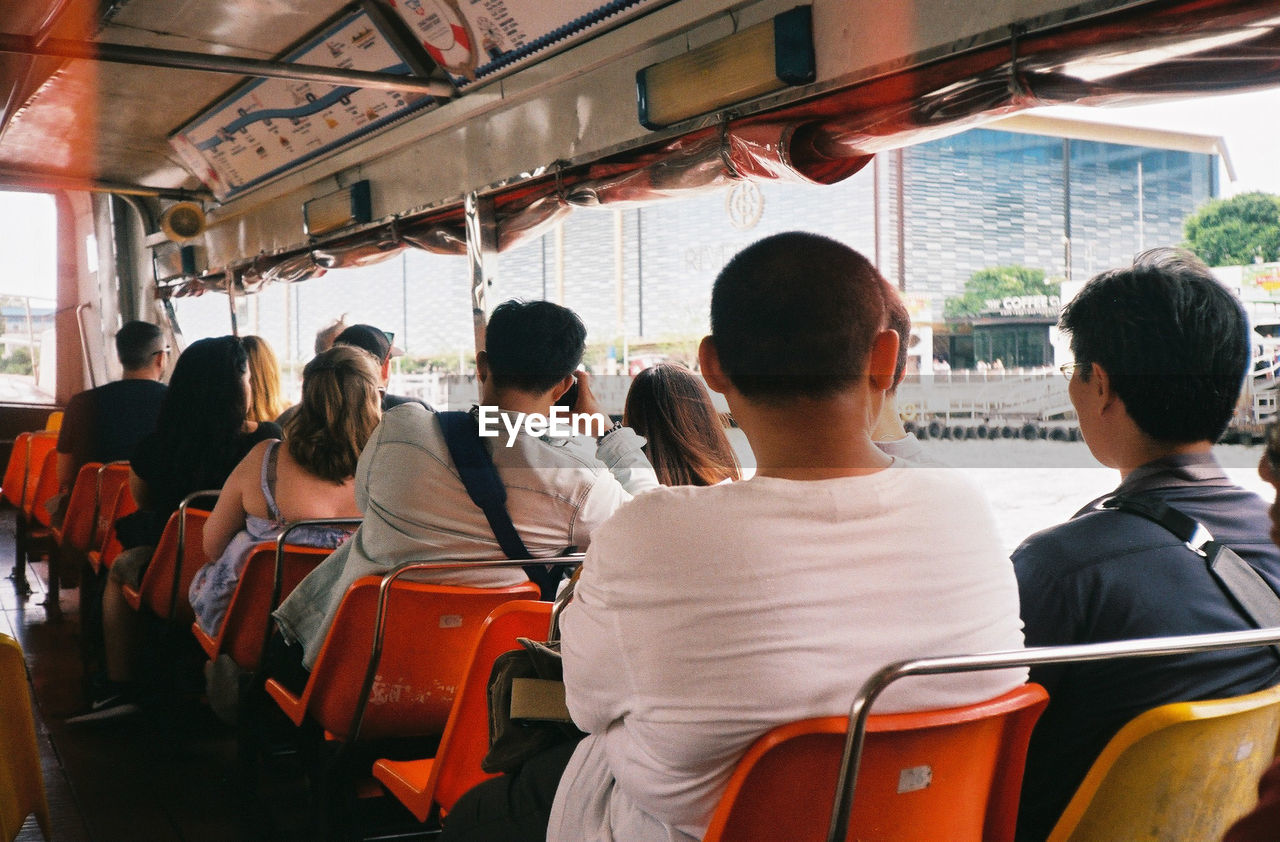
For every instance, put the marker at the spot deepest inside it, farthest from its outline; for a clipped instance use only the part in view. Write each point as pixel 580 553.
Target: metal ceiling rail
pixel 154 57
pixel 37 180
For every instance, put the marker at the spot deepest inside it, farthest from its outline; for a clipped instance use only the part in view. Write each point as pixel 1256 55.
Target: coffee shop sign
pixel 1023 305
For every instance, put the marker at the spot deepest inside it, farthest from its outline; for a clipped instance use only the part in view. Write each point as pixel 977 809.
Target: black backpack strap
pixel 1246 587
pixel 485 488
pixel 1186 529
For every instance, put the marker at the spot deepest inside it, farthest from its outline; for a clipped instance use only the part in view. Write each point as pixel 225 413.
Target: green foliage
pixel 1238 231
pixel 997 283
pixel 444 363
pixel 19 362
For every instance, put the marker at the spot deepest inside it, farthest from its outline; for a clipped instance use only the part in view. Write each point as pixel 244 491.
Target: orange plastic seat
pixel 428 635
pixel 75 533
pixel 39 446
pixel 429 787
pixel 32 531
pixel 15 471
pixel 46 486
pixel 111 478
pixel 950 774
pixel 70 538
pixel 177 557
pixel 54 422
pixel 107 544
pixel 248 618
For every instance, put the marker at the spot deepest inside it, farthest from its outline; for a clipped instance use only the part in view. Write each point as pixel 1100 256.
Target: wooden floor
pixel 167 773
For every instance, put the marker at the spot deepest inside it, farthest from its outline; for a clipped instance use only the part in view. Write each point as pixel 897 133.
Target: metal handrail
pixel 277 582
pixel 182 544
pixel 881 679
pixel 561 602
pixel 384 588
pixel 85 356
pixel 97 494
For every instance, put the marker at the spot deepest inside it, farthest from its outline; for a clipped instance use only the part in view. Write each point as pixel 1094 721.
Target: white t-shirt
pixel 706 616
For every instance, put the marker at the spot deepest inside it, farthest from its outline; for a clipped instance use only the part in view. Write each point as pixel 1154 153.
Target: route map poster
pixel 268 126
pixel 471 38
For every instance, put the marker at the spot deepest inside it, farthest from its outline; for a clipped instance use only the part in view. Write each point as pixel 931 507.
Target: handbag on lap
pixel 527 712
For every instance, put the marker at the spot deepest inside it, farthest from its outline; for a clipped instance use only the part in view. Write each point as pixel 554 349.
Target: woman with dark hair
pixel 686 443
pixel 202 432
pixel 312 476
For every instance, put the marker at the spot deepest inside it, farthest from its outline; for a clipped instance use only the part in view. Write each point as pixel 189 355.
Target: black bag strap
pixel 1251 593
pixel 485 488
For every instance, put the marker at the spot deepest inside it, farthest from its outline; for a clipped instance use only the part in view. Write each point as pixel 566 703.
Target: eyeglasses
pixel 1069 369
pixel 165 350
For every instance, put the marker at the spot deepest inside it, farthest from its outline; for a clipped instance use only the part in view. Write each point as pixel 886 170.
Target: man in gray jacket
pixel 559 488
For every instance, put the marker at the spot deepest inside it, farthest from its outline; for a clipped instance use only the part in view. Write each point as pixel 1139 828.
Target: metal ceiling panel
pixel 110 121
pixel 261 28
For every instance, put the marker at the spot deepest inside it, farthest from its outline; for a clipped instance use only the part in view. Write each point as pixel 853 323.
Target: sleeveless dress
pixel 215 583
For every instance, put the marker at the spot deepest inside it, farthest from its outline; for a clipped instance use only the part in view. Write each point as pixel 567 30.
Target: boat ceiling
pixel 109 121
pixel 889 73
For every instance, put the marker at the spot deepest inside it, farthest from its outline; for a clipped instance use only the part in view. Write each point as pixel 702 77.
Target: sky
pixel 1249 123
pixel 27 257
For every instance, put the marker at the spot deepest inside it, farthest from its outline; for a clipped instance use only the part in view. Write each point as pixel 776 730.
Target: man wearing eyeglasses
pixel 104 424
pixel 1161 349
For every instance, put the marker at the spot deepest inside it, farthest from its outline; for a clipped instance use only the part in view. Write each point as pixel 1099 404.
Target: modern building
pixel 1065 197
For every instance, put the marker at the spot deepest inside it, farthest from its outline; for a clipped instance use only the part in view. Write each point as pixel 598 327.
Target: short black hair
pixel 1173 341
pixel 533 345
pixel 794 316
pixel 136 343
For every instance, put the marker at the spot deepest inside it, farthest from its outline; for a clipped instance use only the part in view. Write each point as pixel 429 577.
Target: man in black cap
pixel 376 342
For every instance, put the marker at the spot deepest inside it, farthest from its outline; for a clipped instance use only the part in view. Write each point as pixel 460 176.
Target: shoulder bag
pixel 1246 588
pixel 527 712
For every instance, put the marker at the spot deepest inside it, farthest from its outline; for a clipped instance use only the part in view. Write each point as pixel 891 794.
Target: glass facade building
pixel 930 216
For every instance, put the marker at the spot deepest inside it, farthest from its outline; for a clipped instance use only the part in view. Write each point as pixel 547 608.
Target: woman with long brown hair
pixel 687 445
pixel 311 476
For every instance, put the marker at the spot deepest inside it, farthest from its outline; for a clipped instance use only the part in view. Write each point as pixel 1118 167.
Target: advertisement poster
pixel 1261 280
pixel 471 38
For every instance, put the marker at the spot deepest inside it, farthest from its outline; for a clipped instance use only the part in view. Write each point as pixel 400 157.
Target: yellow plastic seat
pixel 21 781
pixel 1179 773
pixel 54 422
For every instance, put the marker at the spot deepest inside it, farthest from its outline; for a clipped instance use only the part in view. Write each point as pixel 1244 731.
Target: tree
pixel 997 283
pixel 1237 231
